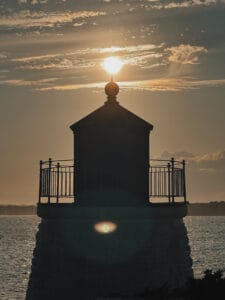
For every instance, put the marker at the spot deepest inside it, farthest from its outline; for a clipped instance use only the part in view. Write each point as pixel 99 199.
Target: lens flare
pixel 105 227
pixel 112 65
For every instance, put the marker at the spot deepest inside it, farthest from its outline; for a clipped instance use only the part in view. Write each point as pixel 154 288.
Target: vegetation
pixel 210 286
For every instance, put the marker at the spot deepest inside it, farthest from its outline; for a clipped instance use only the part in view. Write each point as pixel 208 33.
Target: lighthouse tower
pixel 100 234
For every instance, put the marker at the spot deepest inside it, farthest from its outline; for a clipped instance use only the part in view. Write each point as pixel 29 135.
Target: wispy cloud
pixel 33 2
pixel 144 56
pixel 185 54
pixel 35 58
pixel 3 56
pixel 209 162
pixel 27 19
pixel 21 1
pixel 174 84
pixel 183 4
pixel 162 85
pixel 104 50
pixel 129 49
pixel 62 65
pixel 68 87
pixel 23 82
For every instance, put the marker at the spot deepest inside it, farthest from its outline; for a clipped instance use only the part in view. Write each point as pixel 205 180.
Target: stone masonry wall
pixel 73 261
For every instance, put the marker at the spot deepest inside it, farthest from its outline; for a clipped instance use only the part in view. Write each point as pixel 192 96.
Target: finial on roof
pixel 111 90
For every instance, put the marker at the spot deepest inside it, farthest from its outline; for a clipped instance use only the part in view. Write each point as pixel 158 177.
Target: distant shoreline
pixel 194 209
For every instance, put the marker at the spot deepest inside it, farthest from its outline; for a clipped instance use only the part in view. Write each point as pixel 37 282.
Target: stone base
pixel 74 261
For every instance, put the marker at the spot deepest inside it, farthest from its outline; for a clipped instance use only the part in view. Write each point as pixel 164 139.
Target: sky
pixel 51 76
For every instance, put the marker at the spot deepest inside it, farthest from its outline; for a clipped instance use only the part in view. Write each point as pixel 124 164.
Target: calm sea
pixel 17 240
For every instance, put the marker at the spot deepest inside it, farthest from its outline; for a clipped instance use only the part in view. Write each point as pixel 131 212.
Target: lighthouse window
pixel 105 227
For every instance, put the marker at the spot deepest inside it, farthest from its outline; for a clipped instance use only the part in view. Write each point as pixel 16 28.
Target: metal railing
pixel 56 180
pixel 166 180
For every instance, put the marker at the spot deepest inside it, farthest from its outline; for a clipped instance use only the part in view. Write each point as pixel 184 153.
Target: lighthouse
pixel 111 218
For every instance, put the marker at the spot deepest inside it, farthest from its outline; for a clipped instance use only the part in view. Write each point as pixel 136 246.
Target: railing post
pixel 168 165
pixel 49 179
pixel 172 178
pixel 40 182
pixel 184 182
pixel 57 182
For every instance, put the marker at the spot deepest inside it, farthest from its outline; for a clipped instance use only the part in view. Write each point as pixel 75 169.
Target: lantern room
pixel 111 155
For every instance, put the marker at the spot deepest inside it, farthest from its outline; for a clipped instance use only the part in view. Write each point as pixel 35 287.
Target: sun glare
pixel 112 65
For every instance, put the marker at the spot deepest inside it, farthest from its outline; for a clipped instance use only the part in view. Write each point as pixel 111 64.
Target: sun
pixel 112 65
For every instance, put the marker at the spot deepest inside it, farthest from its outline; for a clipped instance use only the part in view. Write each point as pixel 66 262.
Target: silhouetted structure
pixel 110 238
pixel 112 163
pixel 111 155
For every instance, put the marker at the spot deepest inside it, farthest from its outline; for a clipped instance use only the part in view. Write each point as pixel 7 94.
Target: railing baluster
pixel 40 182
pixel 57 184
pixel 49 179
pixel 151 182
pixel 70 181
pixel 62 182
pixel 168 165
pixel 44 182
pixel 172 178
pixel 155 182
pixel 164 192
pixel 65 181
pixel 184 183
pixel 53 182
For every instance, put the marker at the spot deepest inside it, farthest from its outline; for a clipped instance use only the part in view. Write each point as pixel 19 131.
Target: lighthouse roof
pixel 111 112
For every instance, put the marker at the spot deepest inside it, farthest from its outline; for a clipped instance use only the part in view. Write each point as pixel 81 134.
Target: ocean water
pixel 17 240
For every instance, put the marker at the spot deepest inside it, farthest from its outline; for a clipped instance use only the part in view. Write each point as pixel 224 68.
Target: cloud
pixel 211 161
pixel 23 82
pixel 63 64
pixel 179 155
pixel 21 1
pixel 205 174
pixel 172 84
pixel 144 56
pixel 68 87
pixel 27 19
pixel 184 4
pixel 3 56
pixel 35 58
pixel 162 85
pixel 202 163
pixel 129 49
pixel 33 2
pixel 185 54
pixel 79 24
pixel 103 50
